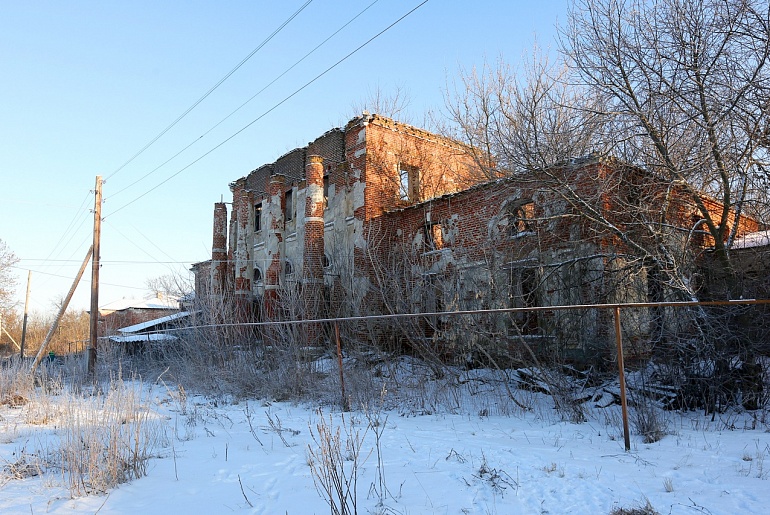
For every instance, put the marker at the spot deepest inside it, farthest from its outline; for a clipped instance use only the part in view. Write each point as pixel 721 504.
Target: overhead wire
pixel 68 233
pixel 265 113
pixel 255 95
pixel 78 213
pixel 65 234
pixel 152 243
pixel 210 91
pixel 77 248
pixel 154 260
pixel 273 108
pixel 115 261
pixel 85 280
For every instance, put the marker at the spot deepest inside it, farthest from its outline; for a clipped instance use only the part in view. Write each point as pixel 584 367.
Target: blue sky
pixel 87 84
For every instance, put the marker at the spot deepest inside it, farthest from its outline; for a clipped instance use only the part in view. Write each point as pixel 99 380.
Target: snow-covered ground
pixel 413 457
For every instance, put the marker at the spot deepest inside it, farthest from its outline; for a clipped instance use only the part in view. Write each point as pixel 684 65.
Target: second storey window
pixel 258 217
pixel 289 206
pixel 326 191
pixel 408 182
pixel 521 218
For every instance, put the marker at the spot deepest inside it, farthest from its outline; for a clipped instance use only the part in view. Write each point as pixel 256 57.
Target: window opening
pixel 408 182
pixel 258 217
pixel 289 207
pixel 432 302
pixel 434 239
pixel 521 218
pixel 524 295
pixel 326 191
pixel 655 293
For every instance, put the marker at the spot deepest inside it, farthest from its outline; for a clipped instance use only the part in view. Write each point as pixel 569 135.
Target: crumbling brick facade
pixel 295 220
pixel 379 209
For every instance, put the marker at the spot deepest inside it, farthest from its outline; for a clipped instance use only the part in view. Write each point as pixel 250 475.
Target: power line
pixel 276 106
pixel 80 213
pixel 211 90
pixel 143 249
pixel 77 248
pixel 220 122
pixel 112 262
pixel 88 281
pixel 153 244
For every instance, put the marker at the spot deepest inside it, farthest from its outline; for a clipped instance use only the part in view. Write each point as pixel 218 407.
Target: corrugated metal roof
pixel 136 328
pixel 135 338
pixel 145 303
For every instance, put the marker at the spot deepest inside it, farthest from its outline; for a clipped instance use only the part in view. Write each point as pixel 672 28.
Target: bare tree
pixel 686 89
pixel 672 97
pixel 7 281
pixel 175 284
pixel 393 104
pixel 522 119
pixel 675 88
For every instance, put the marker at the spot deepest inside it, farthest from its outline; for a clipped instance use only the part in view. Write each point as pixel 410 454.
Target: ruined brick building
pixel 382 217
pixel 307 218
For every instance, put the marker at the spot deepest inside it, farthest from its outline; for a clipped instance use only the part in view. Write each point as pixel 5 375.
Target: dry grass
pixel 16 383
pixel 335 461
pixel 641 509
pixel 108 439
pixel 649 422
pixel 97 439
pixel 22 465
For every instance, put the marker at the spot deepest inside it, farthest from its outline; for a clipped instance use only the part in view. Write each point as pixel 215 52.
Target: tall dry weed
pixel 108 438
pixel 16 383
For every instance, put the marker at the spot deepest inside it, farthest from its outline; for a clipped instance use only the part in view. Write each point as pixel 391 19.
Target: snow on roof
pixel 753 239
pixel 153 302
pixel 144 325
pixel 154 337
pixel 188 297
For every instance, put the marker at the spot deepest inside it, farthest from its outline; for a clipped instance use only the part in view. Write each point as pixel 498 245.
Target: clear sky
pixel 86 85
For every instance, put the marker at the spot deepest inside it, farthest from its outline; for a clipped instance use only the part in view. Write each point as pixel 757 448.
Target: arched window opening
pixel 521 218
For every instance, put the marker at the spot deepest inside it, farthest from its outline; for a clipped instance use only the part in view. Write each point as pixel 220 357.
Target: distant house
pixel 128 312
pixel 137 336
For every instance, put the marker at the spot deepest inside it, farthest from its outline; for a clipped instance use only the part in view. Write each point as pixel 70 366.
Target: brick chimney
pixel 219 250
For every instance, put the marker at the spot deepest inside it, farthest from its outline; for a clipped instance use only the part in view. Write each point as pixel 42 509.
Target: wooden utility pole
pixel 62 309
pixel 26 313
pixel 94 319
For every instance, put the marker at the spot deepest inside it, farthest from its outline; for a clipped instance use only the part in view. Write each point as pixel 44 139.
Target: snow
pixel 156 321
pixel 473 456
pixel 135 338
pixel 754 239
pixel 153 302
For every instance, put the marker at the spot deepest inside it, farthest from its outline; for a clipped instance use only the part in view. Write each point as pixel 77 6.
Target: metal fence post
pixel 622 378
pixel 345 405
